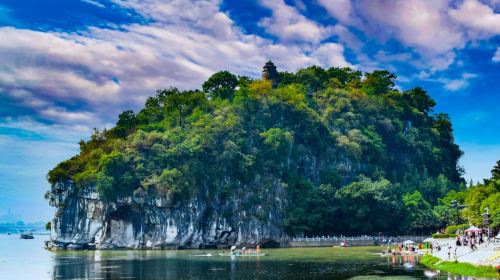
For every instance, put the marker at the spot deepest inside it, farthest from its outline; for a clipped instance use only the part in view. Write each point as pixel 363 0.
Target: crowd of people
pixel 402 249
pixel 472 240
pixel 469 238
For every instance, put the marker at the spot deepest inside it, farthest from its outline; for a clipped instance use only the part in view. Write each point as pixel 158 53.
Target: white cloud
pixel 435 30
pixel 457 84
pixel 87 78
pixel 63 115
pixel 200 15
pixel 347 37
pixel 454 84
pixel 415 23
pixel 331 54
pixel 478 17
pixel 290 26
pixel 496 56
pixel 340 9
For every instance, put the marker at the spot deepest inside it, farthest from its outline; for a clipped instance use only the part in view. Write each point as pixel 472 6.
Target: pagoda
pixel 269 73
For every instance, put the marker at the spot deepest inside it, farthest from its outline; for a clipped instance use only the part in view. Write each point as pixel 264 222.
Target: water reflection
pixel 26 259
pixel 181 265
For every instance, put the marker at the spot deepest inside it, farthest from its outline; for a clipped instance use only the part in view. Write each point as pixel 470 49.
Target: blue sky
pixel 68 66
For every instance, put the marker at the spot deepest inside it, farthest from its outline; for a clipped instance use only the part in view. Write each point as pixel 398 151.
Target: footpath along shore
pixel 482 262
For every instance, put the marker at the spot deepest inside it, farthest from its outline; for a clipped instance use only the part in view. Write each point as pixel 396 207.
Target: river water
pixel 26 259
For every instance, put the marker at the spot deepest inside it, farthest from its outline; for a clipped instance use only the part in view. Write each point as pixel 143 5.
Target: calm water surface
pixel 26 259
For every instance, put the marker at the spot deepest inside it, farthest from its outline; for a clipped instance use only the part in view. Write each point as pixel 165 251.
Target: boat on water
pixel 244 252
pixel 204 255
pixel 27 235
pixel 237 254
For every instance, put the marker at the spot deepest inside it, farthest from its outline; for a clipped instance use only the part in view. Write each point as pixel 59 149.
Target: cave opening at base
pixel 122 218
pixel 269 244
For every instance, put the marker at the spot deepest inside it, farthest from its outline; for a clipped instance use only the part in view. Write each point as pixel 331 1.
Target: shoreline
pixel 461 268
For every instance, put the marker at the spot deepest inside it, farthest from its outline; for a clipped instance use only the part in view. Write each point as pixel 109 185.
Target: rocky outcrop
pixel 147 220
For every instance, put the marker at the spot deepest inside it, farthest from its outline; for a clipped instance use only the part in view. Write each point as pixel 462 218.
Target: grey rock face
pixel 151 221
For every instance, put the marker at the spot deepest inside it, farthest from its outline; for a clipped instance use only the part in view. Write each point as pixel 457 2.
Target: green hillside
pixel 353 153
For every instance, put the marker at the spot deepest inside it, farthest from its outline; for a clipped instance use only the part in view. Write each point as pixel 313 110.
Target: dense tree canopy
pixel 353 153
pixel 468 205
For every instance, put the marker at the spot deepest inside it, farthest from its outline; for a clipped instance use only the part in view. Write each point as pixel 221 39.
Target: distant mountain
pixel 9 218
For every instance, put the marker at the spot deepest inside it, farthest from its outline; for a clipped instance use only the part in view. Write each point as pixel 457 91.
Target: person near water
pixel 258 249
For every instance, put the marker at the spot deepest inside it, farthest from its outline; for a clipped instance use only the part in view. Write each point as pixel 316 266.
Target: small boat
pixel 238 254
pixel 28 235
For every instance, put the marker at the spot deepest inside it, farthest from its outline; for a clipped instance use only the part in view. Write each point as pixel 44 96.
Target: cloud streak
pixel 496 56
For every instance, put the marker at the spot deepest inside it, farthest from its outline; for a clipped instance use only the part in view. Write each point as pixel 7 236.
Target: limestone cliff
pixel 248 162
pixel 149 221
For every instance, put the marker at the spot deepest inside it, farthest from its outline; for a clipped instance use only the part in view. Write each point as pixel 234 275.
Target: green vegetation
pixel 444 235
pixel 466 269
pixel 352 153
pixel 454 228
pixel 474 199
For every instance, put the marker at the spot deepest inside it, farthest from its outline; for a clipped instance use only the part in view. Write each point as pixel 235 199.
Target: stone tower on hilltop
pixel 269 73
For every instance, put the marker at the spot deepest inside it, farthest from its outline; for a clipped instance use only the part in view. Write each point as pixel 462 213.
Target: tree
pixel 286 78
pixel 419 99
pixel 493 204
pixel 126 122
pixel 418 212
pixel 495 172
pixel 474 200
pixel 345 75
pixel 221 85
pixel 379 81
pixel 277 139
pixel 313 77
pixel 116 177
pixel 448 210
pixel 368 206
